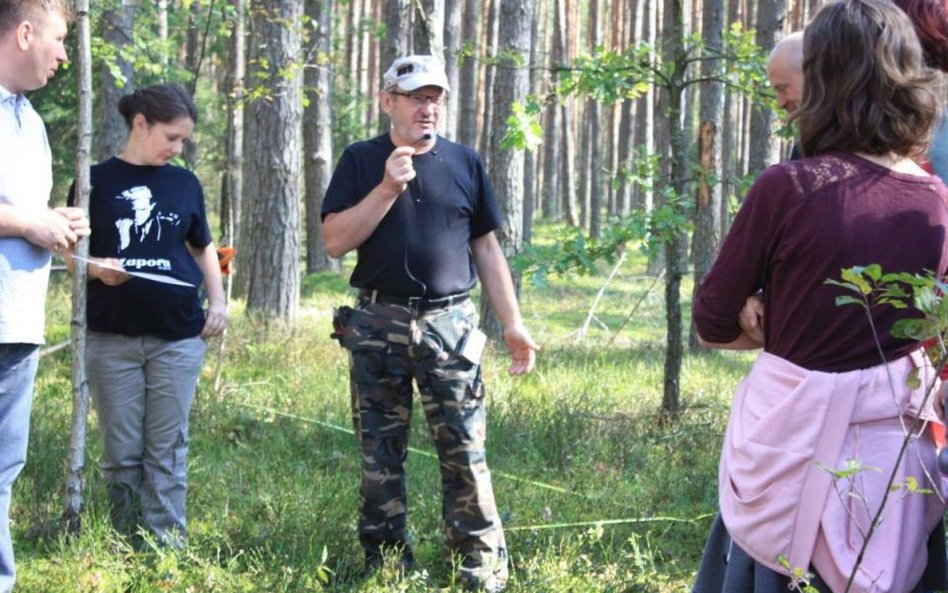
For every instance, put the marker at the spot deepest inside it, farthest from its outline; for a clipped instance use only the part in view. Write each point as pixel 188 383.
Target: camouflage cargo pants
pixel 390 346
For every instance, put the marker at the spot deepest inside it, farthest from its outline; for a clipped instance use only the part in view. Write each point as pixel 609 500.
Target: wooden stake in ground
pixel 75 464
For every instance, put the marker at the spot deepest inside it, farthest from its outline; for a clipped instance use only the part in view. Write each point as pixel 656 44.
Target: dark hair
pixel 866 87
pixel 161 103
pixel 930 18
pixel 14 12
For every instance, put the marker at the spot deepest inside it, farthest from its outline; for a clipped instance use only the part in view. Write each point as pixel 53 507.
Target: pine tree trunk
pixel 663 122
pixel 117 32
pixel 163 26
pixel 763 144
pixel 452 43
pixel 550 202
pixel 567 193
pixel 274 158
pixel 469 90
pixel 530 157
pixel 506 170
pixel 490 72
pixel 594 120
pixel 232 196
pixel 317 132
pixel 396 43
pixel 645 114
pixel 428 29
pixel 707 215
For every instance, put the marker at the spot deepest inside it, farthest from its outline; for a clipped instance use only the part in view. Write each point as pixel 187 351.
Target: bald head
pixel 785 71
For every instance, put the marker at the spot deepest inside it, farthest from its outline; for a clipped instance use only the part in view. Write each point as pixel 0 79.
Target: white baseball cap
pixel 413 72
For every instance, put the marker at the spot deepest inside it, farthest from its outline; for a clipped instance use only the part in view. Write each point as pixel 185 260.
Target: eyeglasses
pixel 419 100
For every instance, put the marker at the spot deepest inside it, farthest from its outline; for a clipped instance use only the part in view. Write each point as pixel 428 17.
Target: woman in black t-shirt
pixel 151 248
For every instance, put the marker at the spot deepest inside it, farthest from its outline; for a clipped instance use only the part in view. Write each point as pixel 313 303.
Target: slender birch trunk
pixel 75 464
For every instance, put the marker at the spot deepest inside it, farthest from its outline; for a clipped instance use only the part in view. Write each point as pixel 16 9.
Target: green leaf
pixel 847 300
pixel 912 329
pixel 850 469
pixel 912 381
pixel 854 275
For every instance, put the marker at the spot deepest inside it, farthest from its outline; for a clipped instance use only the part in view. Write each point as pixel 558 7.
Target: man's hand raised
pixel 399 169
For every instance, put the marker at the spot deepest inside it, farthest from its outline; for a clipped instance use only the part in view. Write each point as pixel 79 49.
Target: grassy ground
pixel 596 493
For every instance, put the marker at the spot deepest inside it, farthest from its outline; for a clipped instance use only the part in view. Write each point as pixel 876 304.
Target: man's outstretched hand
pixel 523 350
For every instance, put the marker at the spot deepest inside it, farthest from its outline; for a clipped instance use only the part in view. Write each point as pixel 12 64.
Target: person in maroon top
pixel 858 198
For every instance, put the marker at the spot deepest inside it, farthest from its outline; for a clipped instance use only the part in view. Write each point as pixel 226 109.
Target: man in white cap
pixel 421 213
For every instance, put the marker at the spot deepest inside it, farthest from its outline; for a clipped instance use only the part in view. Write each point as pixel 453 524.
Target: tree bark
pixel 567 193
pixel 645 114
pixel 75 464
pixel 530 157
pixel 594 119
pixel 232 195
pixel 193 57
pixel 353 22
pixel 274 160
pixel 626 126
pixel 550 202
pixel 469 92
pixel 490 37
pixel 117 32
pixel 506 170
pixel 675 254
pixel 707 215
pixel 428 28
pixel 317 132
pixel 163 27
pixel 452 45
pixel 763 146
pixel 396 44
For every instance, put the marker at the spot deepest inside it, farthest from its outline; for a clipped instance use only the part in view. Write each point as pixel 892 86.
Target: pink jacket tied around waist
pixel 776 500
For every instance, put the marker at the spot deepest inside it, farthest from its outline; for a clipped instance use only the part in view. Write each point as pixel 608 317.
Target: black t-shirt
pixel 422 245
pixel 143 216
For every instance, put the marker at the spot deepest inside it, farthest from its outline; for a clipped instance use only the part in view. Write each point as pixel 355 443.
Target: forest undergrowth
pixel 597 493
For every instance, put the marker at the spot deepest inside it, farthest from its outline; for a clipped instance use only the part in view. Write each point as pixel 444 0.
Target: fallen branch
pixel 638 304
pixel 602 289
pixel 55 348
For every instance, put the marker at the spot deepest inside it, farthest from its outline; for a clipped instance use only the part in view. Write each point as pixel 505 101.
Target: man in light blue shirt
pixel 32 35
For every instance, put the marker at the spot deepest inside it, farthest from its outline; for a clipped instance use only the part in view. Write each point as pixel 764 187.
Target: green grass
pixel 273 467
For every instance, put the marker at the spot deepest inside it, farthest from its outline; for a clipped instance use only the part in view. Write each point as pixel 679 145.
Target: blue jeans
pixel 18 364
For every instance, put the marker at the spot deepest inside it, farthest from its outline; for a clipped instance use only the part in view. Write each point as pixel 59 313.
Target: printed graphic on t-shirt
pixel 145 221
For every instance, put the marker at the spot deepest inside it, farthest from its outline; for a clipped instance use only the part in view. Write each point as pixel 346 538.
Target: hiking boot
pixel 489 577
pixel 375 559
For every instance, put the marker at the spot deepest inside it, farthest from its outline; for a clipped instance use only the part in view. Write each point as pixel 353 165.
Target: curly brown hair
pixel 14 12
pixel 866 86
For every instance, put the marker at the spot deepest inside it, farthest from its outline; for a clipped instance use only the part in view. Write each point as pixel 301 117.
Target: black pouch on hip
pixel 340 319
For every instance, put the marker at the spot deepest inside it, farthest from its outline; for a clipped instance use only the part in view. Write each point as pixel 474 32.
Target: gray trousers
pixel 143 388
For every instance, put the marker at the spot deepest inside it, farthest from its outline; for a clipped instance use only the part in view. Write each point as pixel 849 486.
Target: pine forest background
pixel 625 122
pixel 619 135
